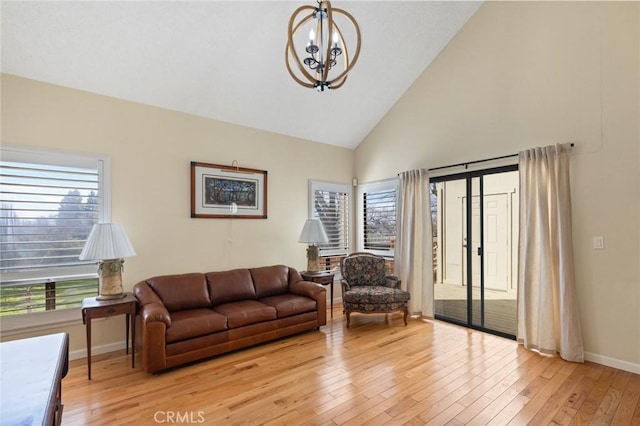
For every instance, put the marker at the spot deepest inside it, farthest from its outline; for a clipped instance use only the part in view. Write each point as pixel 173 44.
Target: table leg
pixel 133 341
pixel 332 299
pixel 89 346
pixel 126 342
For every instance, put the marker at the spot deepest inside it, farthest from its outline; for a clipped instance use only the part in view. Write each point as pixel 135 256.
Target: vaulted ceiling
pixel 225 59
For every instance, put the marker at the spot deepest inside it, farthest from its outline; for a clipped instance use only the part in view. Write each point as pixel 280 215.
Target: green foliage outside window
pixel 30 298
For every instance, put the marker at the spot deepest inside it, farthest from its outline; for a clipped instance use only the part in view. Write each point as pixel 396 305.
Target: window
pixel 377 217
pixel 49 203
pixel 329 202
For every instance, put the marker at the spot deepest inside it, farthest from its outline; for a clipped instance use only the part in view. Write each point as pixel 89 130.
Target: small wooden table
pixel 32 370
pixel 322 277
pixel 92 308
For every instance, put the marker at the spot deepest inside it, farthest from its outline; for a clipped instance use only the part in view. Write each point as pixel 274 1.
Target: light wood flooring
pixel 377 372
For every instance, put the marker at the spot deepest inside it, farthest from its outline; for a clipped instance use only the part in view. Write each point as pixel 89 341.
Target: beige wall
pixel 525 74
pixel 151 150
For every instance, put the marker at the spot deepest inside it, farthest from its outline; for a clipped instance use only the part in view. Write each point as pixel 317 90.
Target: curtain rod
pixel 467 163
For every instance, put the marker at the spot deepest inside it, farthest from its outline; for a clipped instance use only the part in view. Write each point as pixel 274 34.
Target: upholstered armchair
pixel 366 287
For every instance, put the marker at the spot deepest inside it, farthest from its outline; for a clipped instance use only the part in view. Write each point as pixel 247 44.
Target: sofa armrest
pixel 145 294
pixel 392 281
pixel 297 285
pixel 152 321
pixel 155 312
pixel 150 306
pixel 314 291
pixel 307 288
pixel 151 337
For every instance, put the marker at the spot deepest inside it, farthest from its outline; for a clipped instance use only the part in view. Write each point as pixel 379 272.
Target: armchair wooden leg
pixel 348 314
pixel 406 314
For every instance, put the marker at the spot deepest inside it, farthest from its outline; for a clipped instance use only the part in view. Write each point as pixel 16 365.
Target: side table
pixel 92 308
pixel 321 277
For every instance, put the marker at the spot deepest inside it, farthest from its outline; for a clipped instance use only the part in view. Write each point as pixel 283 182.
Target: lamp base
pixel 110 279
pixel 312 266
pixel 312 259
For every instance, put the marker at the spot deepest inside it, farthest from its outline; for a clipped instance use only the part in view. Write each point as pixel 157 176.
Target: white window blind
pixel 329 202
pixel 49 203
pixel 377 204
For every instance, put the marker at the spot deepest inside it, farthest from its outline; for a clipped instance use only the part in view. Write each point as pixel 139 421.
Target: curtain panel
pixel 413 251
pixel 548 317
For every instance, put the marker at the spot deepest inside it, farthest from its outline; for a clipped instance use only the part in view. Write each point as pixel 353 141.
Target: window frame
pixel 315 185
pixel 377 186
pixel 35 321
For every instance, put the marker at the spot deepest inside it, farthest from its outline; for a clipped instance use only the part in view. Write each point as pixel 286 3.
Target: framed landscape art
pixel 228 192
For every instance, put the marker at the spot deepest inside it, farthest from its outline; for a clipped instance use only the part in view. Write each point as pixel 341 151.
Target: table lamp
pixel 108 243
pixel 313 233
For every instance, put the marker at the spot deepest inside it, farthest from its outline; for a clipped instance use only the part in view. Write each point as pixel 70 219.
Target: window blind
pixel 46 214
pixel 331 206
pixel 379 212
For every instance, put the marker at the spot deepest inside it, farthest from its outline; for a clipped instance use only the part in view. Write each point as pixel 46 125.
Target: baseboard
pixel 97 350
pixel 612 362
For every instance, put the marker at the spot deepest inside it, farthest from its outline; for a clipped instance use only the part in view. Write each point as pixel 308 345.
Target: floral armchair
pixel 366 287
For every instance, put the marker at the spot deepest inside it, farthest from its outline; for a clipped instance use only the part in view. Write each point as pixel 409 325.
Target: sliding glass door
pixel 475 223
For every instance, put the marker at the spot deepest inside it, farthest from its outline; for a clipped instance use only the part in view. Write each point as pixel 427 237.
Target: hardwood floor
pixel 376 372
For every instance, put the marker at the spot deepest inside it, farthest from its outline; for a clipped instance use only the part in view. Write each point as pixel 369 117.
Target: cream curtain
pixel 548 319
pixel 413 251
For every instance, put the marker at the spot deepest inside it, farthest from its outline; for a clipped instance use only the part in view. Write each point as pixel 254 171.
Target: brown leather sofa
pixel 188 317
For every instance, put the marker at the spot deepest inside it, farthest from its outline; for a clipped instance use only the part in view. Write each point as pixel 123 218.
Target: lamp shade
pixel 313 232
pixel 107 241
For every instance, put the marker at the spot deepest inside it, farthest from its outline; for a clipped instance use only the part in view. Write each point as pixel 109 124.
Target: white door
pixel 497 222
pixel 496 242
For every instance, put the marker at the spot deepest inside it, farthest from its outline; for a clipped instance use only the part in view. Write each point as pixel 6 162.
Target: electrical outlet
pixel 598 243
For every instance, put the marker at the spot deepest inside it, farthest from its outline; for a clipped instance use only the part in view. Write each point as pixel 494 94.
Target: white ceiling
pixel 225 59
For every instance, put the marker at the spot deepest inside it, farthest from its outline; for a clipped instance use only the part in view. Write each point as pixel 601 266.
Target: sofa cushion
pixel 290 304
pixel 246 312
pixel 270 280
pixel 376 296
pixel 181 292
pixel 194 323
pixel 230 286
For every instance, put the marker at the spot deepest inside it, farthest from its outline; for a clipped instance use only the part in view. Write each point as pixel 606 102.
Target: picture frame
pixel 219 191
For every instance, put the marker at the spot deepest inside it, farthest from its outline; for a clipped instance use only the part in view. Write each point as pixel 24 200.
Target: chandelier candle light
pixel 108 243
pixel 325 44
pixel 312 234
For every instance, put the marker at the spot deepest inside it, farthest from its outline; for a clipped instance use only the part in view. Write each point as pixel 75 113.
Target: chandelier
pixel 326 62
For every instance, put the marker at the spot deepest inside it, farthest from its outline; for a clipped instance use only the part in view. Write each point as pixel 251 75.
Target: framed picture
pixel 228 192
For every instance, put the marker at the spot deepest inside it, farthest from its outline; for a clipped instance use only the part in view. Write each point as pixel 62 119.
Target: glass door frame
pixel 468 178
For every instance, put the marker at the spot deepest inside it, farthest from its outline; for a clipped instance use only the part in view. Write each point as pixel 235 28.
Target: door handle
pixel 479 251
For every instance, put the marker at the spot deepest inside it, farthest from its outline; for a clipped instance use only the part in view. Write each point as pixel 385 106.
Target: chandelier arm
pixel 291 47
pixel 292 74
pixel 357 52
